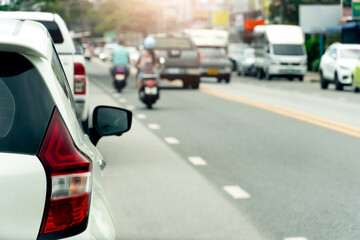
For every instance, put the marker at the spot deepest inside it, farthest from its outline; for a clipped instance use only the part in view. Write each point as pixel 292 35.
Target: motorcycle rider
pixel 120 57
pixel 148 62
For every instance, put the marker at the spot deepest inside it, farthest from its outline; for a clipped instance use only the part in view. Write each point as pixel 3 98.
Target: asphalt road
pixel 246 160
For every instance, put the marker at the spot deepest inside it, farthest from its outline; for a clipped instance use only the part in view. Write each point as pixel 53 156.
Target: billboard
pixel 316 18
pixel 220 17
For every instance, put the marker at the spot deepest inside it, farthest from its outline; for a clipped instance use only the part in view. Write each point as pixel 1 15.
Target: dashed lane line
pixel 122 100
pixel 296 238
pixel 236 192
pixel 171 140
pixel 141 116
pixel 130 107
pixel 154 126
pixel 197 161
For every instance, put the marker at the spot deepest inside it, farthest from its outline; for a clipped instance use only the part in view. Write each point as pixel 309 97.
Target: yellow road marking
pixel 323 122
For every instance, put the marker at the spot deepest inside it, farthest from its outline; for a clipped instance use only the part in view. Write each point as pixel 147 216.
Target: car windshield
pixel 249 53
pixel 288 49
pixel 173 43
pixel 236 49
pixel 350 53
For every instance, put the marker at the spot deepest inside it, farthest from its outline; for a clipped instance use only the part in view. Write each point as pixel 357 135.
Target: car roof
pixel 25 37
pixel 40 16
pixel 347 46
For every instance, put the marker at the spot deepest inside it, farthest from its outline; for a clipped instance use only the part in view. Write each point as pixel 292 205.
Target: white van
pixel 280 52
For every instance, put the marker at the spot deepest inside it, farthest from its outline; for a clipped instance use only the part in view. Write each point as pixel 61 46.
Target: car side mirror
pixel 109 121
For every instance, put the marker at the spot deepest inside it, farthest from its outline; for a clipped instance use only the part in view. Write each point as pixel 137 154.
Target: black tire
pixel 323 82
pixel 338 85
pixel 259 73
pixel 239 73
pixel 227 79
pixel 301 78
pixel 149 105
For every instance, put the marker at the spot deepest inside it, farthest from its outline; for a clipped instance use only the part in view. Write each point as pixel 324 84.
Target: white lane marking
pixel 115 95
pixel 296 238
pixel 197 161
pixel 171 140
pixel 130 107
pixel 154 126
pixel 122 100
pixel 141 116
pixel 315 94
pixel 236 192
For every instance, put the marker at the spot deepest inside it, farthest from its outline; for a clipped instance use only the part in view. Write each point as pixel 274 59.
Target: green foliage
pixel 313 50
pixel 127 15
pixel 315 65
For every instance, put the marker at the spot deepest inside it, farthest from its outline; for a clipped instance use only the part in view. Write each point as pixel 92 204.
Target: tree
pixel 127 15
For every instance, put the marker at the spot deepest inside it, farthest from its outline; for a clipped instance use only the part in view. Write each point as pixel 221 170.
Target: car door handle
pixel 103 164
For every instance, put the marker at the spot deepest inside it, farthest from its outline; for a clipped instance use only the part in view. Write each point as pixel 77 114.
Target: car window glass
pixel 170 43
pixel 25 105
pixel 350 53
pixel 60 76
pixel 288 49
pixel 7 110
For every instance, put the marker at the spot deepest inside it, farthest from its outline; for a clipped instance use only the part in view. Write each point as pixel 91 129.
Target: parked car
pixel 73 63
pixel 245 65
pixel 51 172
pixel 337 65
pixel 235 52
pixel 280 52
pixel 181 59
pixel 214 63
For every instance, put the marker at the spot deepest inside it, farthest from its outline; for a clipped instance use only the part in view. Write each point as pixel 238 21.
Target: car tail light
pixel 69 183
pixel 79 79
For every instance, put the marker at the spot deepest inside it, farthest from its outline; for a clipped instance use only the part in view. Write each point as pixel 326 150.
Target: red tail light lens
pixel 150 83
pixel 79 79
pixel 69 183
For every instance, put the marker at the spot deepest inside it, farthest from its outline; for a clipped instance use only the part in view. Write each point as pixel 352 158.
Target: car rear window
pixel 173 43
pixel 212 52
pixel 25 105
pixel 54 31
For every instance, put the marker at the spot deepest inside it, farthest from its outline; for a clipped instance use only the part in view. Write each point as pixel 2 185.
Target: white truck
pixel 280 52
pixel 73 64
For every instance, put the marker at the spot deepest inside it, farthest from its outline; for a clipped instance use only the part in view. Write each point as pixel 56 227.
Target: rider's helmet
pixel 149 42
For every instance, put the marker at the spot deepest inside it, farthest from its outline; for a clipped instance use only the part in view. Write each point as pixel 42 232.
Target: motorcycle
pixel 120 74
pixel 149 89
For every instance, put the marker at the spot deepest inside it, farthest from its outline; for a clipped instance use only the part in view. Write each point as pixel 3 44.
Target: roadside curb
pixel 312 77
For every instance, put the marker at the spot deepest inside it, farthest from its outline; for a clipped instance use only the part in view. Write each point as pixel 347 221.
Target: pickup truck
pixel 182 59
pixel 73 64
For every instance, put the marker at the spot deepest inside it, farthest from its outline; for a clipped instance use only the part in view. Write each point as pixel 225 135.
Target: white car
pixel 337 65
pixel 74 64
pixel 51 172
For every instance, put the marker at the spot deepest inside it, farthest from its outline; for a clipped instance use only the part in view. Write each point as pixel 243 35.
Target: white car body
pixel 280 51
pixel 23 179
pixel 67 54
pixel 336 66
